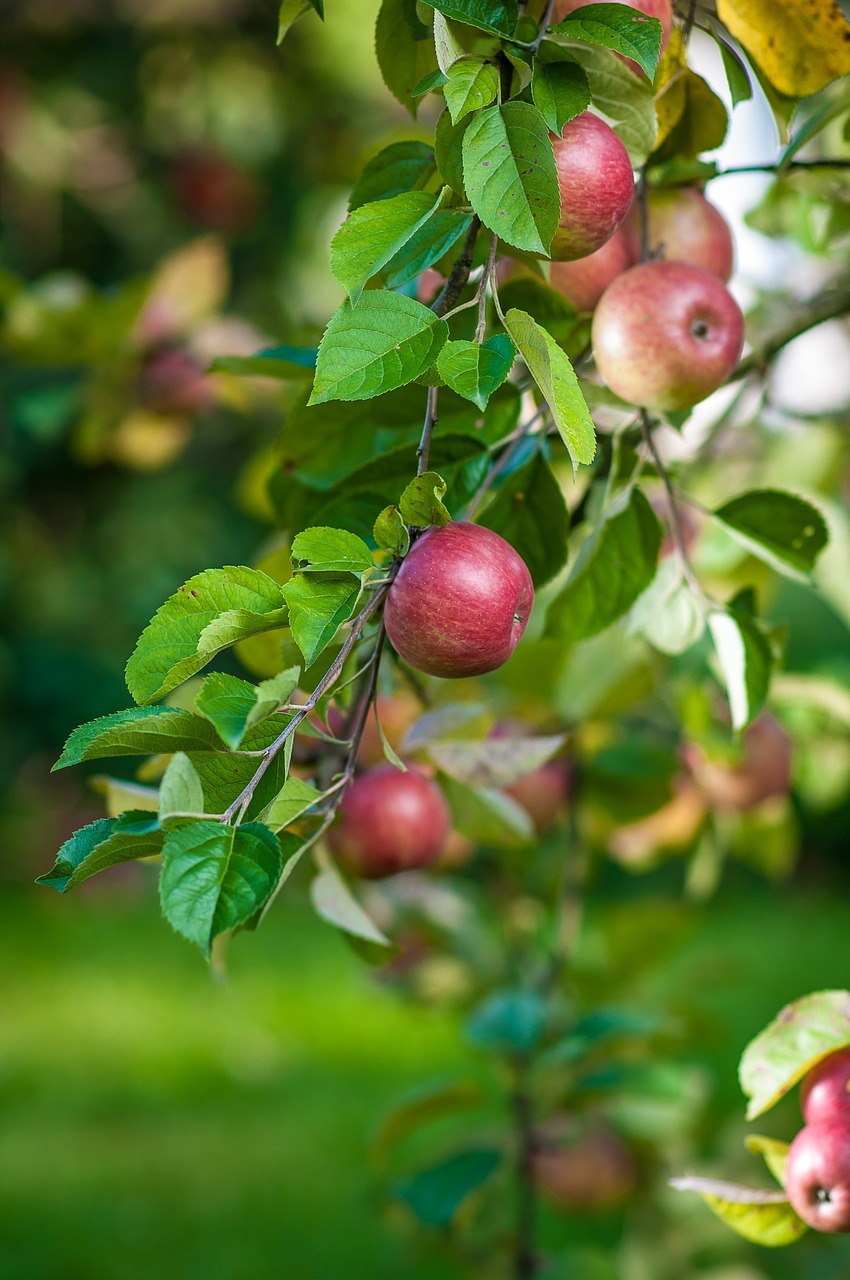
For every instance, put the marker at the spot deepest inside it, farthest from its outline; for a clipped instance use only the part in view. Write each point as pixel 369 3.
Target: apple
pixel 685 227
pixel 212 191
pixel 543 794
pixel 389 821
pixel 584 280
pixel 171 381
pixel 661 9
pixel 825 1092
pixel 666 334
pixel 592 1173
pixel 817 1174
pixel 460 601
pixel 764 770
pixel 596 183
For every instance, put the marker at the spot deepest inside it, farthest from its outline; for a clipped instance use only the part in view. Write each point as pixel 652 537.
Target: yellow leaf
pixel 669 84
pixel 187 287
pixel 800 45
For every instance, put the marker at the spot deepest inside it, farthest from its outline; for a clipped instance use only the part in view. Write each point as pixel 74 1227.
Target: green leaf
pixel 446 44
pixel 530 513
pixel 215 876
pixel 272 362
pixel 370 236
pixel 318 605
pixel 448 149
pixel 780 1056
pixel 425 1103
pixel 745 658
pixel 780 528
pixel 102 844
pixel 475 370
pixel 428 245
pixel 335 903
pixel 386 342
pixel 139 731
pixel 737 75
pixel 493 762
pixel 510 176
pixel 487 816
pixel 550 368
pixel 764 1217
pixel 624 99
pixel 180 791
pixel 323 550
pixel 213 611
pixel 225 774
pixel 703 124
pixel 390 532
pixel 619 28
pixel 508 1021
pixel 233 706
pixel 400 167
pixel 615 564
pixel 405 50
pixel 290 803
pixel 668 614
pixel 561 91
pixel 471 83
pixel 496 16
pixel 435 80
pixel 775 1153
pixel 421 503
pixel 290 11
pixel 436 1194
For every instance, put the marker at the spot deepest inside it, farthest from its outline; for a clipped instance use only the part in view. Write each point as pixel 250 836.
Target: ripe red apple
pixel 685 227
pixel 665 335
pixel 825 1092
pixel 583 281
pixel 661 9
pixel 597 186
pixel 817 1175
pixel 460 601
pixel 764 770
pixel 171 381
pixel 543 794
pixel 390 821
pixel 592 1173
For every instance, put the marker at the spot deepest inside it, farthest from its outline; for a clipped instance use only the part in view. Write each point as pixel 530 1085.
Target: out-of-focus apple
pixel 171 381
pixel 583 281
pixel 673 826
pixel 666 334
pixel 543 794
pixel 596 1171
pixel 685 227
pixel 460 601
pixel 596 182
pixel 817 1174
pixel 825 1091
pixel 396 712
pixel 390 821
pixel 212 191
pixel 763 772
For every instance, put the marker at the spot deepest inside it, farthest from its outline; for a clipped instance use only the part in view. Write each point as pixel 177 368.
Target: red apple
pixel 390 821
pixel 764 770
pixel 825 1092
pixel 214 192
pixel 171 381
pixel 460 601
pixel 685 227
pixel 817 1175
pixel 665 335
pixel 543 794
pixel 597 186
pixel 661 9
pixel 583 281
pixel 592 1173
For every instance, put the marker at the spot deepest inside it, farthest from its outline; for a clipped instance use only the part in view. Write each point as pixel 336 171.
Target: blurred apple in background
pixel 763 771
pixel 593 1172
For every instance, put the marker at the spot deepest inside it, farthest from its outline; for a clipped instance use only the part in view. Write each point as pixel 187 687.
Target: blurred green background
pixel 154 1120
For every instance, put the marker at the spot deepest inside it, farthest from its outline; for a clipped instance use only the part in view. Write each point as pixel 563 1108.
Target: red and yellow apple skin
pixel 388 822
pixel 666 334
pixel 817 1175
pixel 460 601
pixel 685 227
pixel 596 183
pixel 583 281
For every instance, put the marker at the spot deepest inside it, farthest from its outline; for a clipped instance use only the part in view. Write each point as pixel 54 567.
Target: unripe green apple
pixel 665 335
pixel 596 183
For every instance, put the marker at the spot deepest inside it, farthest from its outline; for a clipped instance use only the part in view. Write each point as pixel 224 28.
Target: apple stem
pixel 427 431
pixel 487 277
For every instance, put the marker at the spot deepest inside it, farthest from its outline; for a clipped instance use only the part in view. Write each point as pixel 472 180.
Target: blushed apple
pixel 592 1173
pixel 817 1175
pixel 764 770
pixel 685 227
pixel 584 280
pixel 666 334
pixel 661 9
pixel 596 183
pixel 825 1091
pixel 390 821
pixel 460 601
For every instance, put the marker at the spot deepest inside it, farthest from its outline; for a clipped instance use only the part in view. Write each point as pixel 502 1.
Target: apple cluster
pixel 817 1173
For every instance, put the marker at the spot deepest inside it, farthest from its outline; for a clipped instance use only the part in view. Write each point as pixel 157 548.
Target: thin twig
pixel 427 431
pixel 643 207
pixel 829 307
pixel 481 327
pixel 778 167
pixel 544 27
pixel 456 282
